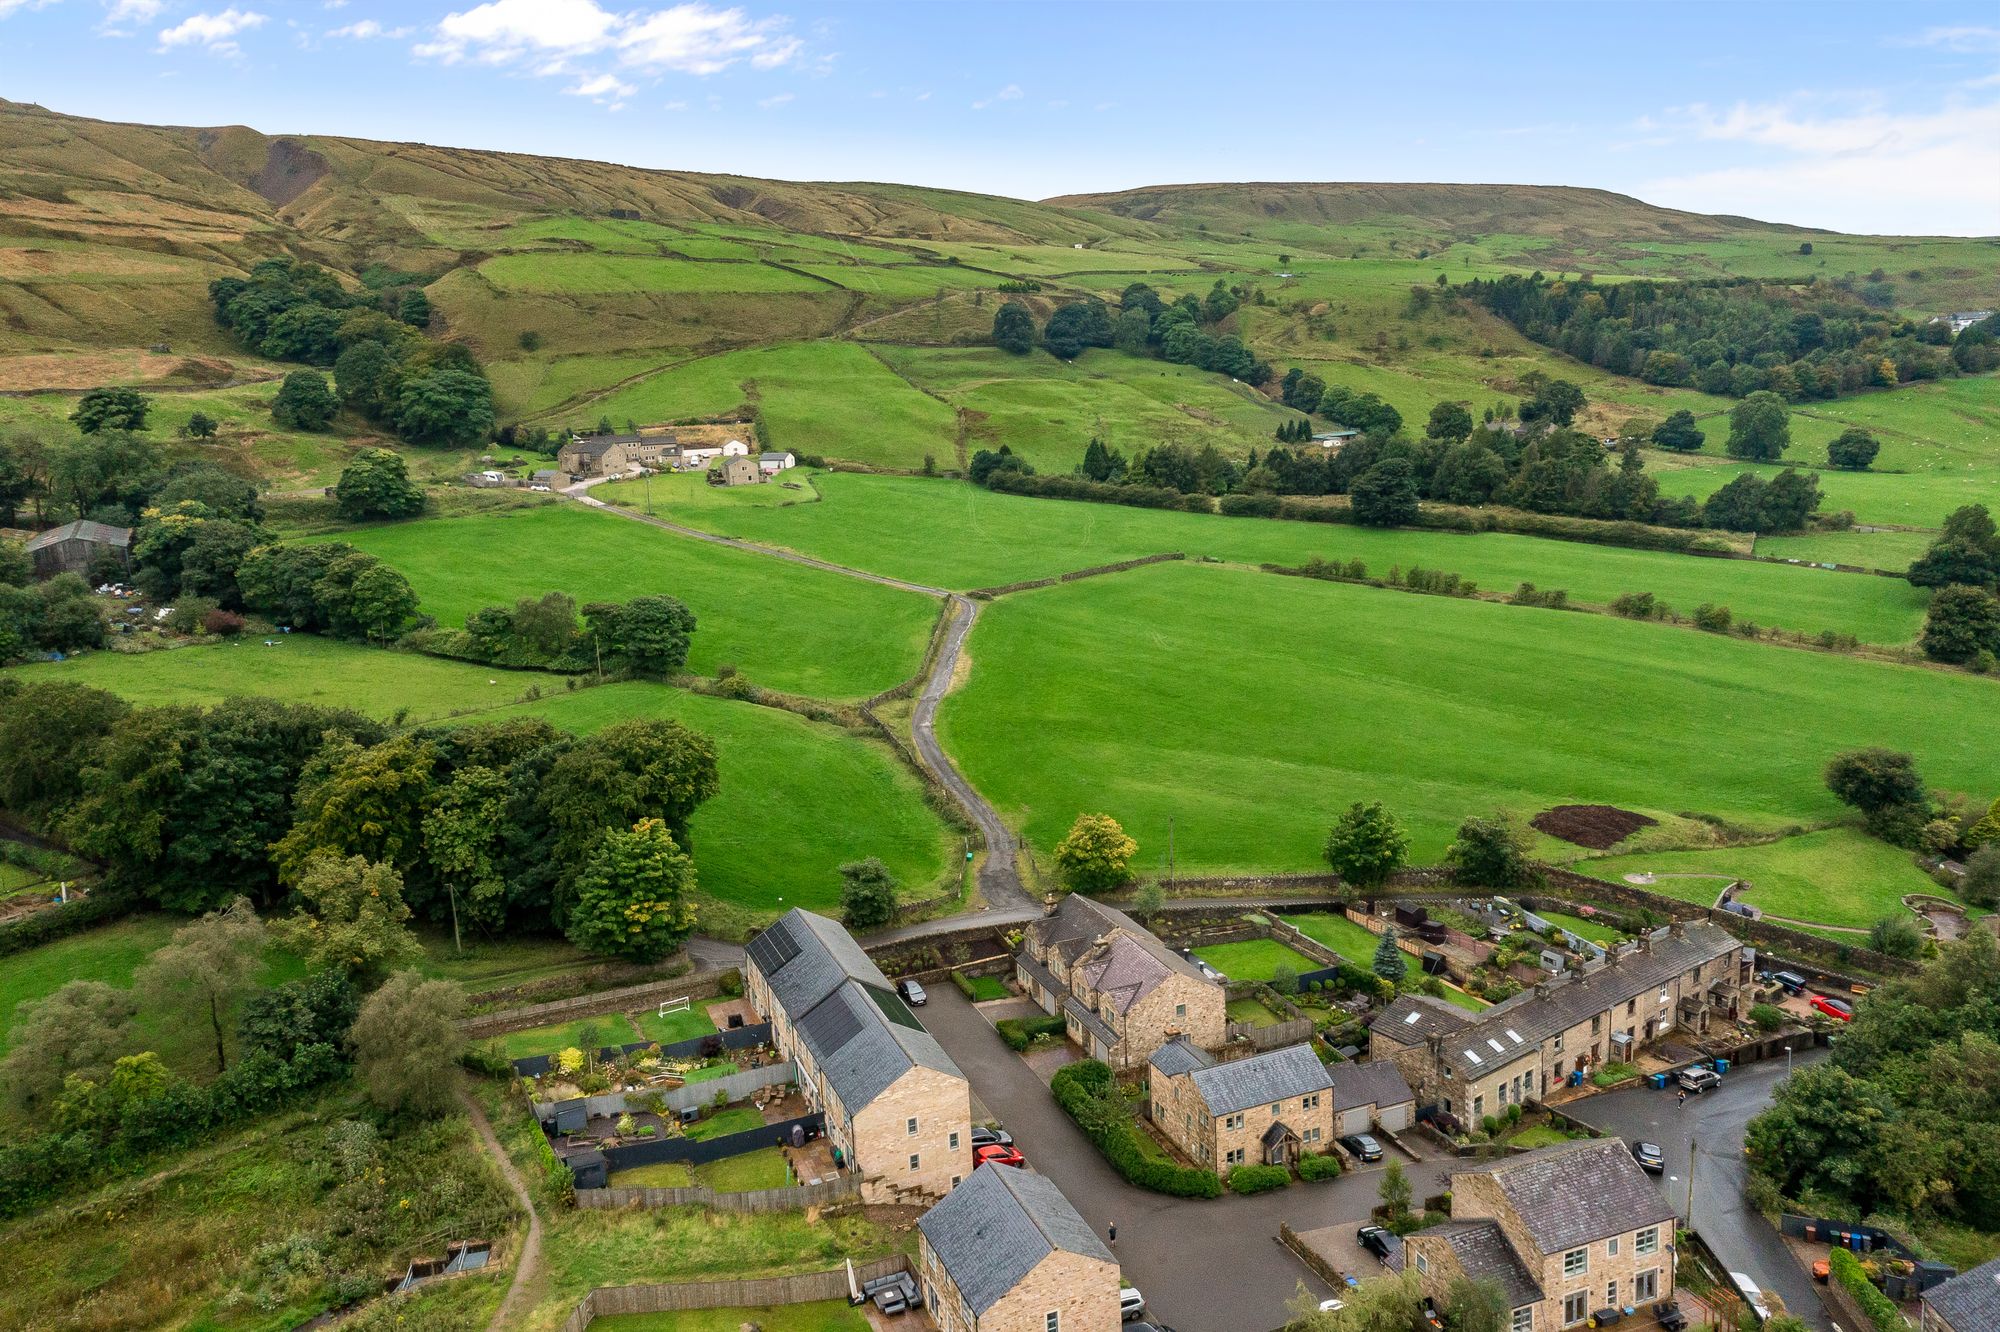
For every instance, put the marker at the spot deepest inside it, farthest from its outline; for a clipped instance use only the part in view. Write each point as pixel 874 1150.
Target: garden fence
pixel 734 1087
pixel 793 1198
pixel 805 1288
pixel 691 1151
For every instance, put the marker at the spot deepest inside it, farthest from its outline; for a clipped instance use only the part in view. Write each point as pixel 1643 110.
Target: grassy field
pixel 1252 1011
pixel 823 1316
pixel 1836 877
pixel 783 625
pixel 822 797
pixel 1441 708
pixel 955 535
pixel 592 273
pixel 1254 959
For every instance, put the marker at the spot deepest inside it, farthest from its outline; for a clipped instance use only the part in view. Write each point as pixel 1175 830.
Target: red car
pixel 1833 1008
pixel 998 1155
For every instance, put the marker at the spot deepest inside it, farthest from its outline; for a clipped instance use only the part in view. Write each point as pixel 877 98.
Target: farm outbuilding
pixel 71 547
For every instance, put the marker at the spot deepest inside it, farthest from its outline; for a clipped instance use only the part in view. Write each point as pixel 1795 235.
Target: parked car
pixel 1699 1080
pixel 1131 1304
pixel 1650 1158
pixel 1382 1243
pixel 1753 1296
pixel 1363 1146
pixel 539 486
pixel 983 1136
pixel 996 1154
pixel 913 993
pixel 1837 1009
pixel 1791 981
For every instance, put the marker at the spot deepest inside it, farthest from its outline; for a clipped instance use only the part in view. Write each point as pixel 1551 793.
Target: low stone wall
pixel 804 1288
pixel 794 1198
pixel 630 998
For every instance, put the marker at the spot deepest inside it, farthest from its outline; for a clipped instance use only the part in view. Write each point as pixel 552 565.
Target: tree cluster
pixel 428 392
pixel 1732 337
pixel 1963 565
pixel 1899 808
pixel 326 587
pixel 1146 325
pixel 646 637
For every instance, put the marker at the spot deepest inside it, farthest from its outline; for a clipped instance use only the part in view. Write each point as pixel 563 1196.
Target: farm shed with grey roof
pixel 1261 1079
pixel 71 547
pixel 1573 1193
pixel 996 1227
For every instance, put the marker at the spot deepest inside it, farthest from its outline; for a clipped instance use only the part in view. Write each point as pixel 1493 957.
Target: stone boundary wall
pixel 792 1198
pixel 805 1288
pixel 1095 571
pixel 695 985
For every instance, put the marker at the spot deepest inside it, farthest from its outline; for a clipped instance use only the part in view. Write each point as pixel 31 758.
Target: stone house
pixel 1264 1110
pixel 1678 978
pixel 738 472
pixel 594 455
pixel 1122 993
pixel 1369 1096
pixel 1562 1232
pixel 73 547
pixel 1005 1252
pixel 897 1107
pixel 1969 1302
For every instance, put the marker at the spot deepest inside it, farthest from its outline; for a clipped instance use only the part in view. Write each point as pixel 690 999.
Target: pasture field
pixel 785 626
pixel 820 796
pixel 534 386
pixel 900 282
pixel 1883 549
pixel 1903 499
pixel 679 496
pixel 578 274
pixel 1838 877
pixel 1251 709
pixel 946 533
pixel 826 398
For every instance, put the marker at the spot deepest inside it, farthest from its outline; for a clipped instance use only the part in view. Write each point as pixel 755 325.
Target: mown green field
pixel 1250 709
pixel 1838 876
pixel 783 625
pixel 797 799
pixel 945 533
pixel 827 398
pixel 594 273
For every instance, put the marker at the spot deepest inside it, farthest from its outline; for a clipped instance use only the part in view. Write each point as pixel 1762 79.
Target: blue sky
pixel 1854 116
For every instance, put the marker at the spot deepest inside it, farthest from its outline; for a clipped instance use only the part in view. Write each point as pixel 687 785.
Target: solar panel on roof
pixel 831 1025
pixel 894 1008
pixel 773 948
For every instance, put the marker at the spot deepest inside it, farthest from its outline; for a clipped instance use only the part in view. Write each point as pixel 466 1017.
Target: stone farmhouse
pixel 1969 1302
pixel 1678 978
pixel 738 472
pixel 897 1108
pixel 74 547
pixel 1005 1252
pixel 1264 1110
pixel 1122 993
pixel 1562 1233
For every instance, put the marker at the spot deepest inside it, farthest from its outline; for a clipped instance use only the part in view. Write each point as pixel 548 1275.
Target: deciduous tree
pixel 1492 853
pixel 351 917
pixel 81 1028
pixel 304 401
pixel 1678 432
pixel 1852 450
pixel 1385 495
pixel 111 409
pixel 1962 622
pixel 634 895
pixel 867 894
pixel 406 1044
pixel 377 485
pixel 1095 856
pixel 205 969
pixel 1014 328
pixel 1759 427
pixel 1366 844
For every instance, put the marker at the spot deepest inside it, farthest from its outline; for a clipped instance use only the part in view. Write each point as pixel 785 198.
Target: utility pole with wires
pixel 1691 1163
pixel 1170 855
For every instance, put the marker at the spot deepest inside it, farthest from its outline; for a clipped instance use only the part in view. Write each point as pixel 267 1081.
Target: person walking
pixel 1682 1099
pixel 1113 1228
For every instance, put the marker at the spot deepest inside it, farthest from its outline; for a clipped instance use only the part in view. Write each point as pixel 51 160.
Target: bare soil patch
pixel 55 371
pixel 1599 827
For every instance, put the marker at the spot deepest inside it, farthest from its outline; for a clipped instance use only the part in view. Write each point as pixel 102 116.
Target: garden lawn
pixel 1254 959
pixel 1252 1011
pixel 722 1123
pixel 764 1168
pixel 988 987
pixel 1594 930
pixel 947 533
pixel 785 626
pixel 674 1026
pixel 1471 1003
pixel 721 1068
pixel 662 1175
pixel 1250 709
pixel 611 1029
pixel 821 1316
pixel 1837 876
pixel 1538 1135
pixel 1356 943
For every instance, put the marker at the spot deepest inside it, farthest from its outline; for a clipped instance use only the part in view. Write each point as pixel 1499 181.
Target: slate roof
pixel 863 1038
pixel 994 1229
pixel 1970 1301
pixel 1414 1016
pixel 104 534
pixel 1377 1082
pixel 596 446
pixel 1091 1023
pixel 1509 1030
pixel 1275 1075
pixel 1179 1056
pixel 1578 1192
pixel 1483 1251
pixel 805 957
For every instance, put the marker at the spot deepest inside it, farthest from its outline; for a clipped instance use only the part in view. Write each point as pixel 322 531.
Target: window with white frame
pixel 954 1142
pixel 1180 1010
pixel 910 1126
pixel 1233 1157
pixel 1646 1286
pixel 913 1160
pixel 1053 1323
pixel 1576 1307
pixel 1647 1241
pixel 1524 1319
pixel 1423 1263
pixel 1234 1122
pixel 1612 1247
pixel 1310 1102
pixel 1610 1294
pixel 1576 1262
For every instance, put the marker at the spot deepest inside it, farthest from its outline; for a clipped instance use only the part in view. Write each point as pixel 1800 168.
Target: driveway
pixel 1713 1124
pixel 1204 1265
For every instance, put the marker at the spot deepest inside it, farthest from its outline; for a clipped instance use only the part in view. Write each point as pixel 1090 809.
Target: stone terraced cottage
pixel 1121 992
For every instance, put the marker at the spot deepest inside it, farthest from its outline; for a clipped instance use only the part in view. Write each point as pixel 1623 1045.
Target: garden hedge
pixel 1319 1165
pixel 1248 1179
pixel 1881 1310
pixel 1020 1033
pixel 1087 1093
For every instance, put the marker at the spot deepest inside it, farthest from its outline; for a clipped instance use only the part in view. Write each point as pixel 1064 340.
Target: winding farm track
pixel 529 1266
pixel 1007 901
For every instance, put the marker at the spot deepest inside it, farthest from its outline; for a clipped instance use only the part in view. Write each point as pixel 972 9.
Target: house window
pixel 911 1126
pixel 1576 1262
pixel 1423 1263
pixel 954 1142
pixel 1663 994
pixel 1575 1307
pixel 1500 1095
pixel 1447 1105
pixel 1612 1247
pixel 1646 1286
pixel 1610 1294
pixel 1233 1122
pixel 1528 1081
pixel 1233 1157
pixel 913 1160
pixel 1631 1005
pixel 1053 1323
pixel 1559 1050
pixel 1478 1106
pixel 1560 1065
pixel 1310 1103
pixel 1648 1241
pixel 1524 1319
pixel 1311 1135
pixel 954 1183
pixel 1596 1025
pixel 1275 1106
pixel 1180 1010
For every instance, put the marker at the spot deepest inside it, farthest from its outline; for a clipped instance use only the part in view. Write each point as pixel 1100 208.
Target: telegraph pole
pixel 1170 853
pixel 1691 1161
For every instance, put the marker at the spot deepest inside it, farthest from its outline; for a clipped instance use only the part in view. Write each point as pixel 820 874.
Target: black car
pixel 991 1137
pixel 1363 1146
pixel 913 993
pixel 1650 1158
pixel 1382 1243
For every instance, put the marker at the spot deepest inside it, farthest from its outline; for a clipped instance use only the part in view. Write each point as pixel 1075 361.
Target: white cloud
pixel 1011 93
pixel 1969 39
pixel 691 38
pixel 1866 169
pixel 8 7
pixel 675 106
pixel 602 88
pixel 212 32
pixel 777 100
pixel 368 29
pixel 130 11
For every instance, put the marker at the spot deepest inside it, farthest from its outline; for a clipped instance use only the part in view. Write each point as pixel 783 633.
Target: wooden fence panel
pixel 805 1288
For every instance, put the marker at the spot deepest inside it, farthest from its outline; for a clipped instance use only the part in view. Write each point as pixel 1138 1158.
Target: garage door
pixel 1396 1118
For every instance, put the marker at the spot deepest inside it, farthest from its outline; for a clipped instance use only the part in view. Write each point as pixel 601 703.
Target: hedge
pixel 1258 1178
pixel 1020 1033
pixel 57 922
pixel 1319 1165
pixel 1881 1310
pixel 965 988
pixel 1086 1092
pixel 1077 488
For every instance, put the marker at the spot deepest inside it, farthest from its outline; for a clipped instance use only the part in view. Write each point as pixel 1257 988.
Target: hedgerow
pixel 1088 1095
pixel 1248 1179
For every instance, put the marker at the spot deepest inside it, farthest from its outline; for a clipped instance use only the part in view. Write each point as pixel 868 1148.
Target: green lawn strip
pixel 610 1029
pixel 709 1072
pixel 1912 499
pixel 764 1168
pixel 597 273
pixel 736 1119
pixel 662 1175
pixel 951 534
pixel 1252 1011
pixel 1594 930
pixel 821 1316
pixel 1538 1135
pixel 1355 943
pixel 1837 876
pixel 1471 1003
pixel 17 878
pixel 784 625
pixel 496 964
pixel 678 496
pixel 988 987
pixel 1439 707
pixel 1885 549
pixel 1254 959
pixel 674 1026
